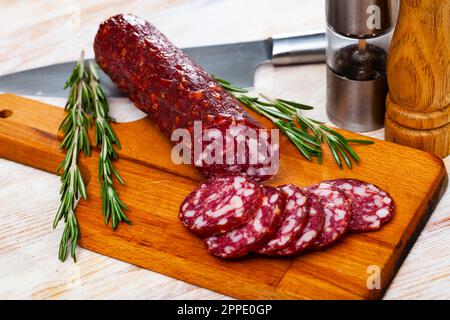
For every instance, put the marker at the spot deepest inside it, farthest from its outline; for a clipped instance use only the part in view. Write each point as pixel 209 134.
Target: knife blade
pixel 234 62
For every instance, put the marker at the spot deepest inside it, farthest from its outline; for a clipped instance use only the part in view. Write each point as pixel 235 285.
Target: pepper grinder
pixel 358 37
pixel 418 104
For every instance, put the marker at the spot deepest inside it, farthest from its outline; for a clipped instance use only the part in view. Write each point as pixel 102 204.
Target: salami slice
pixel 337 210
pixel 371 206
pixel 219 205
pixel 242 240
pixel 167 84
pixel 312 230
pixel 294 220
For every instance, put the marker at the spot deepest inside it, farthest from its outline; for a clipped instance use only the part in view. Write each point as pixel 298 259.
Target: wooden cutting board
pixel 155 187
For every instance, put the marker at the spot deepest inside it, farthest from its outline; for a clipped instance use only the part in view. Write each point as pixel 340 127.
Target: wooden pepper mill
pixel 418 70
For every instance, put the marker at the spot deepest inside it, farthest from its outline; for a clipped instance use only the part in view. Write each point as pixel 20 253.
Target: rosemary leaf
pixel 358 141
pixel 296 104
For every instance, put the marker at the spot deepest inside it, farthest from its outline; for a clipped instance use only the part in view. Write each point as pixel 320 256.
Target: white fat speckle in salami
pixel 347 186
pixel 323 186
pixel 283 240
pixel 291 223
pixel 294 219
pixel 235 237
pixel 189 213
pixel 289 191
pixel 308 235
pixel 371 206
pixel 245 238
pixel 290 205
pixel 248 192
pixel 382 213
pixel 360 191
pixel 339 214
pixel 210 198
pixel 301 201
pixel 236 202
pixel 239 212
pixel 338 201
pixel 377 202
pixel 199 222
pixel 273 198
pixel 324 192
pixel 370 218
pixel 220 204
pixel 375 224
pixel 257 224
pixel 251 240
pixel 219 212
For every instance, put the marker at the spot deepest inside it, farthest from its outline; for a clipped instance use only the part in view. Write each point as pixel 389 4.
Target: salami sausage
pixel 220 204
pixel 294 220
pixel 161 80
pixel 242 240
pixel 312 230
pixel 337 210
pixel 371 206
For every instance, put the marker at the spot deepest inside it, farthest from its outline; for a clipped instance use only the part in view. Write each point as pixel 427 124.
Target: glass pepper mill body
pixel 358 38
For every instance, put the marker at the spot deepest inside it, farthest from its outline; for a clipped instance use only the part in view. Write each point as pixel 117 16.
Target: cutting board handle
pixel 28 134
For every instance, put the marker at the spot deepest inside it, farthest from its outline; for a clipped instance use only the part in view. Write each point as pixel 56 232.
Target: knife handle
pixel 298 49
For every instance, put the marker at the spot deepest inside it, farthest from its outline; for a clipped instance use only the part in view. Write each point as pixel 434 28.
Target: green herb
pixel 308 136
pixel 75 128
pixel 86 104
pixel 112 206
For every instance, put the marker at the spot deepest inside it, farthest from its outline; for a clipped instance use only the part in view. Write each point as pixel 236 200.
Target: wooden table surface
pixel 44 32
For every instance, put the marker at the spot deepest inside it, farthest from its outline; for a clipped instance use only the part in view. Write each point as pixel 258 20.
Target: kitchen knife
pixel 234 62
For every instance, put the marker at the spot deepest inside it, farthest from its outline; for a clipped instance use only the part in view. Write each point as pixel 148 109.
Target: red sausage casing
pixel 161 80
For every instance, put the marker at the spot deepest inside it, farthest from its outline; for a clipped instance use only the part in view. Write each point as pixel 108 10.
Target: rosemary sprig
pixel 112 206
pixel 310 134
pixel 76 140
pixel 86 96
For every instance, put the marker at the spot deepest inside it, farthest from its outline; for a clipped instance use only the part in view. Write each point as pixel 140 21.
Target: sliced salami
pixel 294 220
pixel 371 206
pixel 220 204
pixel 238 147
pixel 310 232
pixel 337 210
pixel 242 240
